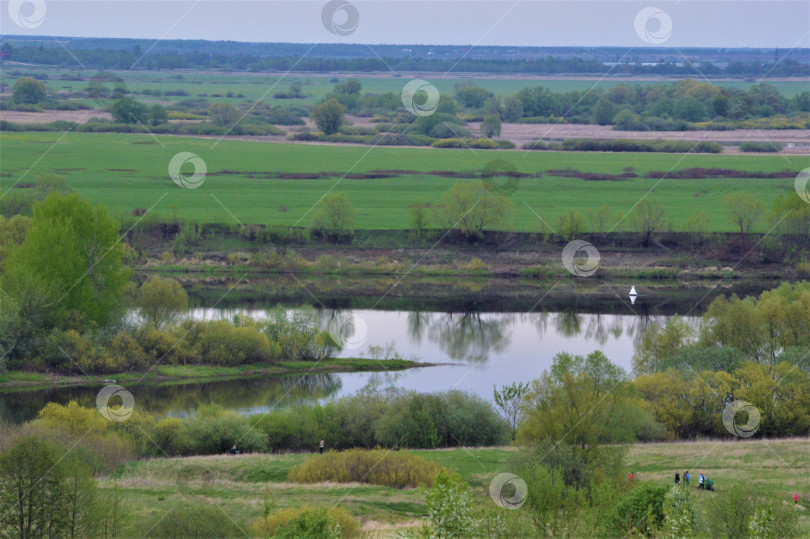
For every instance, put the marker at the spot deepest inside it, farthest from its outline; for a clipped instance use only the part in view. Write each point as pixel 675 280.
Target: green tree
pixel 470 208
pixel 660 344
pixel 129 111
pixel 328 116
pixel 449 508
pixel 512 109
pixel 491 126
pixel 162 301
pixel 158 115
pixel 223 114
pixel 30 91
pixel 43 494
pixel 509 400
pixel 573 409
pixel 72 249
pixel 349 87
pixel 744 210
pixel 420 219
pixel 604 111
pixel 471 96
pixel 336 216
pixel 570 225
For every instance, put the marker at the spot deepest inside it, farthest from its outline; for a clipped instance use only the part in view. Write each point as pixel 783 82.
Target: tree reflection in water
pixel 183 398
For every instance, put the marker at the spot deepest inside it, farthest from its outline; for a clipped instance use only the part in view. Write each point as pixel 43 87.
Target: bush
pixel 304 521
pixel 191 520
pixel 765 147
pixel 213 431
pixel 640 511
pixel 375 467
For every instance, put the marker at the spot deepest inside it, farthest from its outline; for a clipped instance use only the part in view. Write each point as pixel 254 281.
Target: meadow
pixel 264 86
pixel 775 468
pixel 127 172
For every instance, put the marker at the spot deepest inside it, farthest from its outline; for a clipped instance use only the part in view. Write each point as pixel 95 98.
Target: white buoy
pixel 633 291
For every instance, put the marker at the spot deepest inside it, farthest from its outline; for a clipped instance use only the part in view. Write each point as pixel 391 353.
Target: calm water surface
pixel 475 350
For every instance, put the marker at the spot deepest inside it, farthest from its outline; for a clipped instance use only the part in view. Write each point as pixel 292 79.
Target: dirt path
pixel 78 116
pixel 522 133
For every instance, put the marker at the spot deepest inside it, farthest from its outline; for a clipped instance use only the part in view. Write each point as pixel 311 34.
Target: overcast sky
pixel 495 22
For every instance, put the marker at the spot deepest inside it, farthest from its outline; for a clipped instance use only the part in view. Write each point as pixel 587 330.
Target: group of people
pixel 704 483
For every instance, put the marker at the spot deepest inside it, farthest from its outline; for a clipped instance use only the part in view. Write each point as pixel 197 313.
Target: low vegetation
pixel 375 467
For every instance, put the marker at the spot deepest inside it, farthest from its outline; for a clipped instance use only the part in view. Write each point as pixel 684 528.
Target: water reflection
pixel 476 350
pixel 247 395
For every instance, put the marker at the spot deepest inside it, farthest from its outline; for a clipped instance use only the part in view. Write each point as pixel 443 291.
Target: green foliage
pixel 29 90
pixel 191 520
pixel 639 512
pixel 570 225
pixel 761 147
pixel 375 467
pixel 420 220
pixel 491 126
pixel 660 344
pixel 44 494
pixel 158 115
pixel 471 96
pixel 307 521
pixel 73 255
pixel 604 111
pixel 681 515
pixel 212 431
pixel 223 115
pixel 328 116
pixel 449 508
pixel 128 111
pixel 509 400
pixel 161 301
pixel 335 219
pixel 690 404
pixel 388 419
pixel 470 208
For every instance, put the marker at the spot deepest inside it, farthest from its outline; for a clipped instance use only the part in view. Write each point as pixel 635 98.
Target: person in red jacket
pixel 795 499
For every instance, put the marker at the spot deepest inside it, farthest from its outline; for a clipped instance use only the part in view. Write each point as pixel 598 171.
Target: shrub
pixel 221 343
pixel 305 520
pixel 375 467
pixel 640 511
pixel 213 431
pixel 449 508
pixel 766 147
pixel 191 520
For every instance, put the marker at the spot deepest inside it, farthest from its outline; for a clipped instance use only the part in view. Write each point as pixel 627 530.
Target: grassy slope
pixel 130 171
pixel 777 469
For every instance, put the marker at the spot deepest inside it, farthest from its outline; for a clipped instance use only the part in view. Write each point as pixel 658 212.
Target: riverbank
pixel 166 374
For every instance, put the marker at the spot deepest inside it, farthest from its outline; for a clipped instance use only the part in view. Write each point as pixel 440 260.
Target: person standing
pixel 321 446
pixel 701 479
pixel 795 498
pixel 686 478
pixel 677 479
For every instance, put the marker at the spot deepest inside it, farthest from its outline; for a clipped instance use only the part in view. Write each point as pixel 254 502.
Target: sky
pixel 685 23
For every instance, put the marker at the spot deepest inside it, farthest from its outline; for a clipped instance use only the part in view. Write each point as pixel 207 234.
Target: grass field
pixel 126 172
pixel 776 469
pixel 264 86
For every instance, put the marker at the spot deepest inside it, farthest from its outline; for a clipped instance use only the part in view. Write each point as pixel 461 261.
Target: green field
pixel 263 86
pixel 775 468
pixel 126 172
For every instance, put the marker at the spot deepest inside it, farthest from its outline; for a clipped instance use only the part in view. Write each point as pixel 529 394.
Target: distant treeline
pixel 283 57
